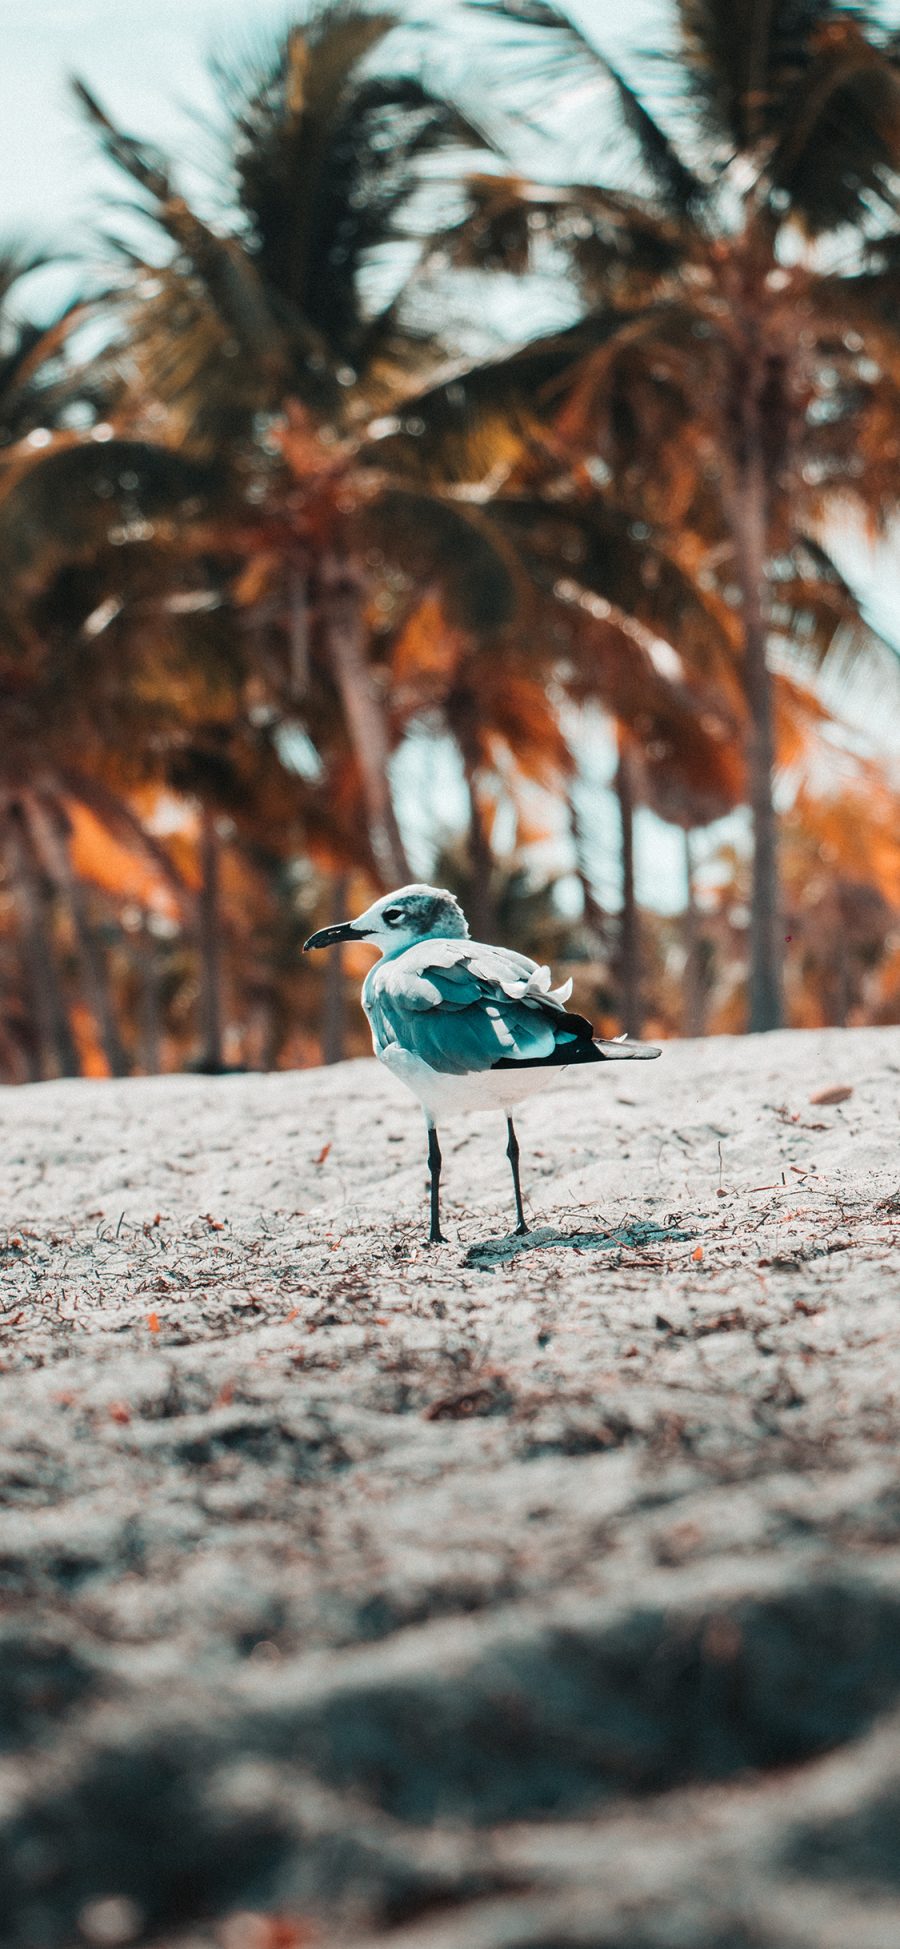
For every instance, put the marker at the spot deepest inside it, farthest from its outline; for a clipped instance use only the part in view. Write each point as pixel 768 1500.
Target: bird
pixel 466 1026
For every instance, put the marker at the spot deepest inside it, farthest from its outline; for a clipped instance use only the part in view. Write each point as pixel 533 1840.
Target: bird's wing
pixel 461 1006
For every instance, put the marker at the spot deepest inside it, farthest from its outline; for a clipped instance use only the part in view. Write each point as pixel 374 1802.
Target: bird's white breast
pixel 443 1095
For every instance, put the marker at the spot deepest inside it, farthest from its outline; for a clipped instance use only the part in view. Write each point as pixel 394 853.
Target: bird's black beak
pixel 332 936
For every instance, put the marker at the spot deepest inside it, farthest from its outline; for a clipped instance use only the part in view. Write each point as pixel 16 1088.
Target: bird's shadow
pixel 491 1252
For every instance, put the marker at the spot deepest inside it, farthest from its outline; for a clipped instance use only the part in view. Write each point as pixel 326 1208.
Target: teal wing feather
pixel 458 1016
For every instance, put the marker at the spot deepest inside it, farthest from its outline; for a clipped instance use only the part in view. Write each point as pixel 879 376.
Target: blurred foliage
pixel 267 515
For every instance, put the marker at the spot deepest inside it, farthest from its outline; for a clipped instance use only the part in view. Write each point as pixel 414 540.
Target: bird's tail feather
pixel 625 1051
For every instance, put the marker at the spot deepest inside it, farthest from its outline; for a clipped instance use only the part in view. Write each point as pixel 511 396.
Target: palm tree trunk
pixel 694 1009
pixel 749 524
pixel 51 828
pixel 17 1061
pixel 481 905
pixel 341 607
pixel 55 1050
pixel 594 915
pixel 273 1034
pixel 209 928
pixel 334 1013
pixel 843 982
pixel 629 941
pixel 150 1005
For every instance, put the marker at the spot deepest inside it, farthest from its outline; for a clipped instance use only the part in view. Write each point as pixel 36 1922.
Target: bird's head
pixel 415 913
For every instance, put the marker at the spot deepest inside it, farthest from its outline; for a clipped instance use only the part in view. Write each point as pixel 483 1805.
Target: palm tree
pixel 34 398
pixel 501 695
pixel 270 322
pixel 53 1045
pixel 711 371
pixel 600 602
pixel 88 705
pixel 127 669
pixel 341 512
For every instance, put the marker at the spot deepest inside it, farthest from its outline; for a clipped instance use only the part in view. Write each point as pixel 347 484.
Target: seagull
pixel 465 1026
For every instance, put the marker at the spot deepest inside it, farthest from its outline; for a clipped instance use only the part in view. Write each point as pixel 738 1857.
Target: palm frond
pixel 613 240
pixel 473 422
pixel 31 390
pixel 327 157
pixel 825 620
pixel 740 62
pixel 836 155
pixel 594 545
pixel 218 262
pixel 687 733
pixel 61 504
pixel 566 50
pixel 806 88
pixel 453 548
pixel 17 262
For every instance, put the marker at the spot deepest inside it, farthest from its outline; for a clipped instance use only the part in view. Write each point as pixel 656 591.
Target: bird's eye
pixel 392 915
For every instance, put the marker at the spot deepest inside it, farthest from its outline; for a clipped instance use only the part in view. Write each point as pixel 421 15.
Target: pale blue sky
pixel 149 62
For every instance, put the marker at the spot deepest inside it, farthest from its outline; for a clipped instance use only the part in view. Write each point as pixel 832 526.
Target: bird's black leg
pixel 512 1152
pixel 435 1236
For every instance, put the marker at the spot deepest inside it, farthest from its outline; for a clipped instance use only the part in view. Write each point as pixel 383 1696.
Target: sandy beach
pixel 517 1594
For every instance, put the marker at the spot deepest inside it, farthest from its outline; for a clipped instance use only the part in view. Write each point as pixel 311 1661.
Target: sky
pixel 150 65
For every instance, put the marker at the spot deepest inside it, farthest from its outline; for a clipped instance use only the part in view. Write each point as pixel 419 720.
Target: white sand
pixel 429 1594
